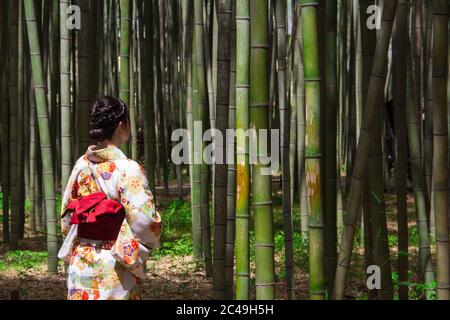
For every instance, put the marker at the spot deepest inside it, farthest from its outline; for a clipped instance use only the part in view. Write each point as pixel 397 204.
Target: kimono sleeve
pixel 69 194
pixel 81 183
pixel 137 199
pixel 142 225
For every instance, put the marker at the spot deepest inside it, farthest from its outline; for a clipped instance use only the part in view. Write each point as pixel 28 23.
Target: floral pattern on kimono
pixel 101 270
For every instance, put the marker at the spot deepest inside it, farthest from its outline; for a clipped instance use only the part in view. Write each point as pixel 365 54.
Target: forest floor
pixel 172 273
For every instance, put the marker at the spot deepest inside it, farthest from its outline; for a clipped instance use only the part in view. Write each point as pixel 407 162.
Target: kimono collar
pixel 109 153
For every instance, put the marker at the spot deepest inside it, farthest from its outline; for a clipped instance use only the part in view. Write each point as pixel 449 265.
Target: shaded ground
pixel 169 277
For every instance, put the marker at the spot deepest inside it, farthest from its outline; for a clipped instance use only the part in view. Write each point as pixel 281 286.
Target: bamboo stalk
pixel 242 150
pixel 440 142
pixel 313 156
pixel 261 202
pixel 44 133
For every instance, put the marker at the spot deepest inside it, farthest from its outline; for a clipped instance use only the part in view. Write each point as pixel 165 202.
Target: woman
pixel 100 270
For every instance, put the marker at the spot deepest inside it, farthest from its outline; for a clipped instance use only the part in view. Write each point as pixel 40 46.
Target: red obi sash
pixel 97 217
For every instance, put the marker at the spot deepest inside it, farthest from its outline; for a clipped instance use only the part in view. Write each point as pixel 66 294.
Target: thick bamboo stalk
pixel 300 106
pixel 231 174
pixel 84 78
pixel 53 85
pixel 313 156
pixel 35 208
pixel 283 108
pixel 125 41
pixel 66 150
pixel 202 116
pixel 196 155
pixel 133 84
pixel 44 133
pixel 242 150
pixel 148 109
pixel 220 169
pixel 428 123
pixel 440 142
pixel 4 123
pixel 162 95
pixel 14 127
pixel 399 54
pixel 261 179
pixel 20 119
pixel 330 213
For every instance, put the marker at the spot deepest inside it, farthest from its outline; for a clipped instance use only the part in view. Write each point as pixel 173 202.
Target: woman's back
pixel 109 269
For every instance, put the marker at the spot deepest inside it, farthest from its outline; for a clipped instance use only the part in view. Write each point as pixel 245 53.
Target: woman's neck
pixel 106 143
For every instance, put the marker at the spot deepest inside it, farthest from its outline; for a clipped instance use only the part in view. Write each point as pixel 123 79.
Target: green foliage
pixel 416 290
pixel 392 239
pixel 177 219
pixel 300 252
pixel 22 260
pixel 180 247
pixel 413 236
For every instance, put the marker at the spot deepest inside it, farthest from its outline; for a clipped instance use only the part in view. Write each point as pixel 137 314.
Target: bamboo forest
pixel 295 149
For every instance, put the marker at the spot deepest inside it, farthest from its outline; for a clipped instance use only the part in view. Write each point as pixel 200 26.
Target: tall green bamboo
pixel 418 50
pixel 440 141
pixel 202 116
pixel 312 149
pixel 14 127
pixel 261 178
pixel 125 41
pixel 242 149
pixel 133 85
pixel 44 134
pixel 36 223
pixel 224 12
pixel 330 142
pixel 283 108
pixel 65 101
pixel 84 78
pixel 373 101
pixel 231 174
pixel 191 105
pixel 4 122
pixel 300 105
pixel 53 84
pixel 428 123
pixel 196 157
pixel 342 82
pixel 148 108
pixel 162 94
pixel 35 208
pixel 400 55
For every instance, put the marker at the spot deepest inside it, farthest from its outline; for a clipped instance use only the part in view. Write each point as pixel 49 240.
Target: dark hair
pixel 106 114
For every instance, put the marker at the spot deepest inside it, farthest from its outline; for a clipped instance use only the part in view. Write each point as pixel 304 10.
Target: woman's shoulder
pixel 130 167
pixel 81 163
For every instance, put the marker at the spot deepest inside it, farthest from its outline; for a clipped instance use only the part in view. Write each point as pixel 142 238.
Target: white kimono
pixel 100 270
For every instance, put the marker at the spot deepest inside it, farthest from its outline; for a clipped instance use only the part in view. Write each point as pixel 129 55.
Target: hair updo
pixel 106 114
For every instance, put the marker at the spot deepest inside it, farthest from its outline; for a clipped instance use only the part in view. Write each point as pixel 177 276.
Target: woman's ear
pixel 123 126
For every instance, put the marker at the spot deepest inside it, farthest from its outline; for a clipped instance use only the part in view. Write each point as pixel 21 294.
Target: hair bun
pixel 105 116
pixel 97 134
